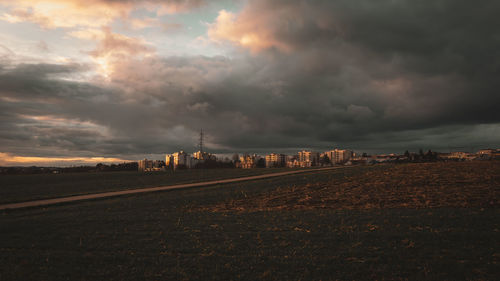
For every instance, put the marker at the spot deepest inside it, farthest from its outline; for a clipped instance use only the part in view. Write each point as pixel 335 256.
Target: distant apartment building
pixel 308 158
pixel 182 159
pixel 178 160
pixel 495 154
pixel 339 156
pixel 275 160
pixel 169 160
pixel 486 151
pixel 249 161
pixel 199 155
pixel 146 165
pixel 458 156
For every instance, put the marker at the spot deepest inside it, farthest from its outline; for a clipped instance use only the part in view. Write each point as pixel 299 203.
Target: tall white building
pixel 169 160
pixel 144 165
pixel 249 161
pixel 275 160
pixel 308 158
pixel 339 156
pixel 177 159
pixel 150 165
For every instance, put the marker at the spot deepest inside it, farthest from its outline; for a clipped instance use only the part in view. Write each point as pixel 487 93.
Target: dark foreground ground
pixel 19 188
pixel 415 221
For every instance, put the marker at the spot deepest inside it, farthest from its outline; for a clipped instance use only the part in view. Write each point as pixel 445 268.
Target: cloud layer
pixel 374 76
pixel 87 13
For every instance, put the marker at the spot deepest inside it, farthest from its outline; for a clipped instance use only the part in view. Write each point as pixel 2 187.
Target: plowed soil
pixel 421 185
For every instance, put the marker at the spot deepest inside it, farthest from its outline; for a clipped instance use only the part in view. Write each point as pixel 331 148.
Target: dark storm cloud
pixel 368 75
pixel 377 66
pixel 46 116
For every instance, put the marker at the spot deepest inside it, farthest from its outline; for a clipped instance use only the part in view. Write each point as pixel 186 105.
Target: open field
pixel 415 221
pixel 424 185
pixel 130 192
pixel 18 188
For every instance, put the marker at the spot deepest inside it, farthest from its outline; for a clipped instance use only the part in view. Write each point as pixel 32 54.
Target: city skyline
pixel 114 81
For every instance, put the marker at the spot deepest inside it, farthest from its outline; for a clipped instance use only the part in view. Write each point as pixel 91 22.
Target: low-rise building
pixel 488 151
pixel 496 154
pixel 487 154
pixel 458 156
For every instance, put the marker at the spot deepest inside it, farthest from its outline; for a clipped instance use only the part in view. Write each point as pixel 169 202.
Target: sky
pixel 88 81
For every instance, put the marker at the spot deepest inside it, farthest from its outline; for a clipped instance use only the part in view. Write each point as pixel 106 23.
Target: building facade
pixel 308 158
pixel 275 160
pixel 146 165
pixel 249 161
pixel 339 156
pixel 199 155
pixel 178 159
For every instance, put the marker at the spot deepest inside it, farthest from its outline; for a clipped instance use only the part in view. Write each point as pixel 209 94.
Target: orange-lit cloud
pixel 88 34
pixel 143 23
pixel 120 45
pixel 285 26
pixel 86 13
pixel 63 13
pixel 244 30
pixel 7 159
pixel 113 47
pixel 91 20
pixel 175 6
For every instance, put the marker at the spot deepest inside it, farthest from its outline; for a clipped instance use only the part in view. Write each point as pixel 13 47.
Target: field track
pixel 68 199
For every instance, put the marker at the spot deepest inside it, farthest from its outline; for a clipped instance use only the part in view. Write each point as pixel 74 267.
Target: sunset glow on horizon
pixel 13 160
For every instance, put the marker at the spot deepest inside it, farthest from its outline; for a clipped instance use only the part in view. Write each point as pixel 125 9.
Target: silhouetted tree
pixel 407 154
pixel 419 156
pixel 261 163
pixel 101 167
pixel 431 155
pixel 325 160
pixel 236 158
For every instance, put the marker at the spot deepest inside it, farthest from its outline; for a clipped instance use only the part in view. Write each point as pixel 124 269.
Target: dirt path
pixel 75 198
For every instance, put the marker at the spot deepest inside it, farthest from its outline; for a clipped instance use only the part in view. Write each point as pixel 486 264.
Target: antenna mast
pixel 201 141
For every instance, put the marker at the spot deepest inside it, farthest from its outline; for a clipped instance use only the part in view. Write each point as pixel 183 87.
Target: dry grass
pixel 423 185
